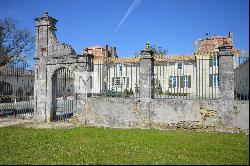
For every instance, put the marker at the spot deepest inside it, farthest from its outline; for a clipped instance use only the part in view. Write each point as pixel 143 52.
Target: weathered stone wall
pixel 52 55
pixel 115 112
pixel 241 110
pixel 163 114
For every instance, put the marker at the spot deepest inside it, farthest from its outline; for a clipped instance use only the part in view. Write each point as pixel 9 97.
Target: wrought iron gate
pixel 63 95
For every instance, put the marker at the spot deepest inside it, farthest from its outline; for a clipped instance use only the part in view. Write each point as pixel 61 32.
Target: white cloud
pixel 131 8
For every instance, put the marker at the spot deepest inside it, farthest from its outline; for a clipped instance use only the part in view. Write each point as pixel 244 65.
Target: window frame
pixel 215 80
pixel 179 66
pixel 125 80
pixel 174 81
pixel 116 80
pixel 215 61
pixel 185 81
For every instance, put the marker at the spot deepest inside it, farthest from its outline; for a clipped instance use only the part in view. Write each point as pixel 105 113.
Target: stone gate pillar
pixel 82 79
pixel 45 30
pixel 147 73
pixel 226 83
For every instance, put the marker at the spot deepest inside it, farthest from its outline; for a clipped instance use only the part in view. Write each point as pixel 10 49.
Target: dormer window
pixel 179 65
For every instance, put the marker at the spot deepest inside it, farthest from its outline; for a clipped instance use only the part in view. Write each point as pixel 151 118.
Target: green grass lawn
pixel 87 145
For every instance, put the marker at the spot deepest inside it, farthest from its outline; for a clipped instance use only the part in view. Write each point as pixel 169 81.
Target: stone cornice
pixel 226 50
pixel 146 54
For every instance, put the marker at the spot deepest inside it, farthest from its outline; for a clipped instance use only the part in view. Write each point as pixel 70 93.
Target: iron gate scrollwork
pixel 63 95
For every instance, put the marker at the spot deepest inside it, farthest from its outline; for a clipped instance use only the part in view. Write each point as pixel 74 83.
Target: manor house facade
pixel 190 75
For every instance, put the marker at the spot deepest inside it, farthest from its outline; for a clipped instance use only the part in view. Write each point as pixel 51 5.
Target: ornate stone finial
pixel 46 13
pixel 225 46
pixel 147 52
pixel 147 46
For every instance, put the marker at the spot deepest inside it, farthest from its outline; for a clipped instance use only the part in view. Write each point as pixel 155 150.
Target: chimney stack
pixel 107 50
pixel 111 51
pixel 230 34
pixel 115 51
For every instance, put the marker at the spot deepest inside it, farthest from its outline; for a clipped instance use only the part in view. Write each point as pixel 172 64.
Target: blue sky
pixel 171 24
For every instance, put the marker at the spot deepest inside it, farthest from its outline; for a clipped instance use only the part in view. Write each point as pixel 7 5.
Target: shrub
pixel 167 93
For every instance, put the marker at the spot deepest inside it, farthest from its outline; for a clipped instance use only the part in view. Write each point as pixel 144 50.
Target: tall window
pixel 125 80
pixel 173 80
pixel 215 80
pixel 179 65
pixel 119 69
pixel 120 81
pixel 116 81
pixel 215 61
pixel 185 79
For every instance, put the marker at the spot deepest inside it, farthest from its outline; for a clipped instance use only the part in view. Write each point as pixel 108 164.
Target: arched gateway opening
pixel 63 95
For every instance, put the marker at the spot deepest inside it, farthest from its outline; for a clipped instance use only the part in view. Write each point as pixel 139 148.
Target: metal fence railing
pixel 115 78
pixel 24 108
pixel 16 89
pixel 241 74
pixel 187 77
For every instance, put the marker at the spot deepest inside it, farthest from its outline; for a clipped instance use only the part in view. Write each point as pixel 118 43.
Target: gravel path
pixel 30 123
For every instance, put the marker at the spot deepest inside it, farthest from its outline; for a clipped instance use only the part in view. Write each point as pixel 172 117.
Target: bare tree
pixel 157 51
pixel 15 43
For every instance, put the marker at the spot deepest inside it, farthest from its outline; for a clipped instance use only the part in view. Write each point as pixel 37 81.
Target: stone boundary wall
pixel 170 114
